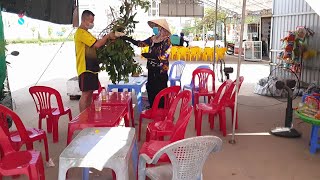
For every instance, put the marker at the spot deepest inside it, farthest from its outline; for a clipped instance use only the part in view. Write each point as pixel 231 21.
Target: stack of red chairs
pixel 176 131
pixel 158 129
pixel 23 135
pixel 155 113
pixel 153 146
pixel 224 98
pixel 216 106
pixel 13 163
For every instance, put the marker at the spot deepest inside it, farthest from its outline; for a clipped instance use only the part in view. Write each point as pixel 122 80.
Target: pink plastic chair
pixel 216 106
pixel 42 98
pixel 15 163
pixel 22 135
pixel 153 146
pixel 200 79
pixel 155 113
pixel 156 130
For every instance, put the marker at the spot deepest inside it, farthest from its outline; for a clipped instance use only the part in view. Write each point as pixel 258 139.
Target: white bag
pixel 267 87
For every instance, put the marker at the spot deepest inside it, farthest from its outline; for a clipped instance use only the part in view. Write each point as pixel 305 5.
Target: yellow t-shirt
pixel 86 55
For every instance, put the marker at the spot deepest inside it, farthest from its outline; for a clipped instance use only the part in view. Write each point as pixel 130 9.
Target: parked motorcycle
pixel 5 96
pixel 230 48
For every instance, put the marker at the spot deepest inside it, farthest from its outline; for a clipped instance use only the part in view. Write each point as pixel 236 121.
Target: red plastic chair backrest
pixel 185 98
pixel 232 94
pixel 168 94
pixel 203 76
pixel 5 141
pixel 222 92
pixel 42 98
pixel 181 125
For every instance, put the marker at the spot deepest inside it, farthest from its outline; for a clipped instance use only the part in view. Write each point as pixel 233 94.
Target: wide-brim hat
pixel 160 22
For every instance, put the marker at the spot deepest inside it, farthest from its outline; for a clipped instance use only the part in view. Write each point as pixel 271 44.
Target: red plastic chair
pixel 216 106
pixel 156 113
pixel 156 130
pixel 153 146
pixel 15 163
pixel 231 96
pixel 42 98
pixel 200 79
pixel 22 135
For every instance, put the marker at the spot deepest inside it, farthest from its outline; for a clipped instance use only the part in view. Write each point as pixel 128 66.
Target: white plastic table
pixel 101 148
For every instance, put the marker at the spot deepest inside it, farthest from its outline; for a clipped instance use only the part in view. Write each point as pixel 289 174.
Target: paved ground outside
pixel 256 155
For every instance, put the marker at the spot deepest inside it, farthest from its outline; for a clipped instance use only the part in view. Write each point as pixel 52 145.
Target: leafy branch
pixel 116 57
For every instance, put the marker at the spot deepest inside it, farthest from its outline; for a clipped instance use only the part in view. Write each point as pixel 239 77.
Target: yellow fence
pixel 193 53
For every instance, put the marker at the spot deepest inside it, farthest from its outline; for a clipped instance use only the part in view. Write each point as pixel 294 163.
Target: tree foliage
pixel 209 18
pixel 116 57
pixel 207 22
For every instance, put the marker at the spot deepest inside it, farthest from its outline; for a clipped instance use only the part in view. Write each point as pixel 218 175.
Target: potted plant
pixel 116 57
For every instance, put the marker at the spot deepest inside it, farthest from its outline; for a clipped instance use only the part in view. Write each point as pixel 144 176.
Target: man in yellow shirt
pixel 86 58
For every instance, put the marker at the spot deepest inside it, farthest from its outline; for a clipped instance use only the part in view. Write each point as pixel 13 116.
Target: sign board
pixel 181 8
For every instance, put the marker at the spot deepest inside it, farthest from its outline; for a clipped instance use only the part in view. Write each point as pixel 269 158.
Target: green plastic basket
pixel 307 119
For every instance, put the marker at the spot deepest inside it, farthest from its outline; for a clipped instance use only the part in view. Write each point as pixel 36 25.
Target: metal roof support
pixel 215 37
pixel 233 141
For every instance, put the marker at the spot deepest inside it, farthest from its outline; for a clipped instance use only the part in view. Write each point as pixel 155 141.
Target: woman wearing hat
pixel 157 64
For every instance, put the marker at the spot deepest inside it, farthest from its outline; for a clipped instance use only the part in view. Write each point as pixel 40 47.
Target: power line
pixel 54 56
pixel 213 4
pixel 253 2
pixel 260 4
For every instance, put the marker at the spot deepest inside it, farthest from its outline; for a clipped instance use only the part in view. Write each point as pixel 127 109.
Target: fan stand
pixel 288 131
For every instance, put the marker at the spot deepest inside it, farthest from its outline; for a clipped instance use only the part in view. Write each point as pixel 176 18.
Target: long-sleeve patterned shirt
pixel 160 50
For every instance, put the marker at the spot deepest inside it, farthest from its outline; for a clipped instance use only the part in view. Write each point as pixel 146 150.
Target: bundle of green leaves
pixel 116 57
